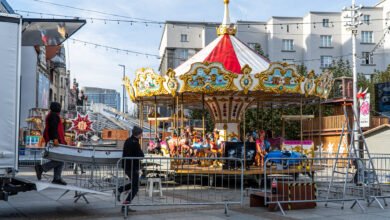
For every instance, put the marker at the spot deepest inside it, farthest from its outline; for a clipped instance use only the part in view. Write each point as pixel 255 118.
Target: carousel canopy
pixel 230 52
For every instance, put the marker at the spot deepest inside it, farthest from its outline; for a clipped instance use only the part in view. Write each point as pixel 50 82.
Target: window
pixel 366 19
pixel 325 22
pixel 183 38
pixel 367 58
pixel 367 37
pixel 326 40
pixel 184 54
pixel 289 61
pixel 326 61
pixel 288 45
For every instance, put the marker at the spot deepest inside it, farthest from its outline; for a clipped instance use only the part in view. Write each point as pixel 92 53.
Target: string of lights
pixel 381 41
pixel 93 11
pixel 286 25
pixel 116 49
pixel 92 19
pixel 147 55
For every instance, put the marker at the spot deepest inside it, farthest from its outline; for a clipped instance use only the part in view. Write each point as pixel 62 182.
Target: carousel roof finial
pixel 226 17
pixel 226 27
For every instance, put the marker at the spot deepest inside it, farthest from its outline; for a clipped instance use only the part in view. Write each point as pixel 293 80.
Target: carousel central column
pixel 226 112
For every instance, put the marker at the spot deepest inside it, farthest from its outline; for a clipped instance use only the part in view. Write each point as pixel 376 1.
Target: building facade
pixel 108 97
pixel 59 76
pixel 315 40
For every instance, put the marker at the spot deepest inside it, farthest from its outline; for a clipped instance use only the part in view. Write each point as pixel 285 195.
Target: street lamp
pixel 123 91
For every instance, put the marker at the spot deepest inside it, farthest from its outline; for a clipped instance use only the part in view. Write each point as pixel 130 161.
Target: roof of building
pixel 4 4
pixel 377 129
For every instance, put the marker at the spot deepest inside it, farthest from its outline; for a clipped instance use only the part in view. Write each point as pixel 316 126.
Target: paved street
pixel 44 205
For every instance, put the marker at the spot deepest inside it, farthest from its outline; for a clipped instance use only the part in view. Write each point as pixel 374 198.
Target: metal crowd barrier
pixel 294 183
pixel 92 176
pixel 30 156
pixel 382 172
pixel 176 182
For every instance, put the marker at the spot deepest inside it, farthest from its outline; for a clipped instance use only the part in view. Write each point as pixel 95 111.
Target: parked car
pixel 286 158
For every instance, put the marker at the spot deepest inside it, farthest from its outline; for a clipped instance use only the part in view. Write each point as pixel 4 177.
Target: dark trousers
pixel 134 177
pixel 56 165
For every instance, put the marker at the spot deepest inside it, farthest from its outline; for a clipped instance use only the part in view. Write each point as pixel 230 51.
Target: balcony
pixel 332 124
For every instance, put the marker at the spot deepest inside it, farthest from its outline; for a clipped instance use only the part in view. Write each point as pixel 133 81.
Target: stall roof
pixel 48 32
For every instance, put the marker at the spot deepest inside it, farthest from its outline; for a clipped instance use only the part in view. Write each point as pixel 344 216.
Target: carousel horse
pixel 185 146
pixel 173 144
pixel 164 148
pixel 154 147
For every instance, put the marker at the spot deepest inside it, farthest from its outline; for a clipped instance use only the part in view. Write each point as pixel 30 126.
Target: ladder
pixel 365 177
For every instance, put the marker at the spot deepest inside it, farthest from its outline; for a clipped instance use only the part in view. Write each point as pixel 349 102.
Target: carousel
pixel 226 78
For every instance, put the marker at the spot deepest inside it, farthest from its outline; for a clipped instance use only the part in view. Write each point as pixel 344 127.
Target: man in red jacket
pixel 54 131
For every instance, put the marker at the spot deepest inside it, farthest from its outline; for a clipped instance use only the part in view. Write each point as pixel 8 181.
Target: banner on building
pixel 382 97
pixel 43 91
pixel 364 116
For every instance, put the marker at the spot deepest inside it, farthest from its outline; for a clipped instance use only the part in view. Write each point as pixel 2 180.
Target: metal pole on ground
pixel 353 27
pixel 182 112
pixel 155 116
pixel 203 118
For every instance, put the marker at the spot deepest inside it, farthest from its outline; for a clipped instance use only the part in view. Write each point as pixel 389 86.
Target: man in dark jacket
pixel 131 148
pixel 54 132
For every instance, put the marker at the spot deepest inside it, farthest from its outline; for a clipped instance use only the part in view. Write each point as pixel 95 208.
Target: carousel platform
pixel 253 170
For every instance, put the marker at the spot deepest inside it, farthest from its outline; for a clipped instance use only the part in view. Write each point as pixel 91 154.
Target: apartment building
pixel 109 97
pixel 314 40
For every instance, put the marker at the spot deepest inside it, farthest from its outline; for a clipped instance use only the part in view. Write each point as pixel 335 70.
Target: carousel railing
pixel 167 181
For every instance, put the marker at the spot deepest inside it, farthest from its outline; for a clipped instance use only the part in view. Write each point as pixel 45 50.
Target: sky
pixel 98 67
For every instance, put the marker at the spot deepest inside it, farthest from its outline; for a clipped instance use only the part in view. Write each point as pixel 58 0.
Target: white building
pixel 315 39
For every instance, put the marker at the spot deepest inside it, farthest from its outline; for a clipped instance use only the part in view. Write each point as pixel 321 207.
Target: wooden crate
pixel 115 135
pixel 298 192
pixel 257 200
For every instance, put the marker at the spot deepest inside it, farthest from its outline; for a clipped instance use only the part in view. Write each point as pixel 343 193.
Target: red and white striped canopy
pixel 229 51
